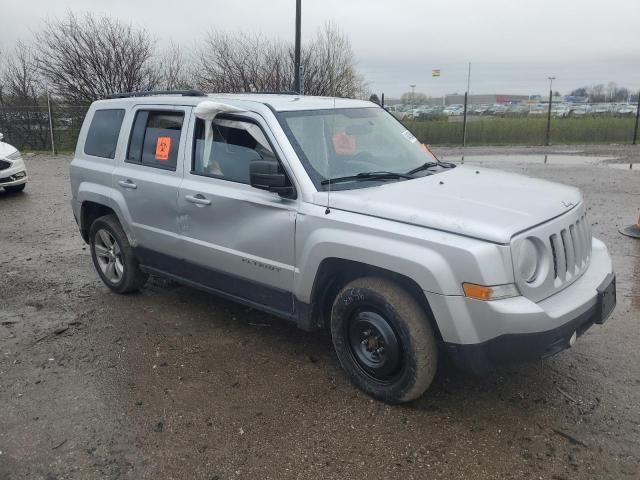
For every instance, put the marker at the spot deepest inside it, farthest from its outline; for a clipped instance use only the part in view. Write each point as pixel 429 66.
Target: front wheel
pixel 384 340
pixel 113 257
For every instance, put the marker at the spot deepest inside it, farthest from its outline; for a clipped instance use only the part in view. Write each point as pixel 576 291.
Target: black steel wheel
pixel 383 339
pixel 374 345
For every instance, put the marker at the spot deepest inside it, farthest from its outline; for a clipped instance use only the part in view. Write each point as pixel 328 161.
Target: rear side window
pixel 155 138
pixel 104 130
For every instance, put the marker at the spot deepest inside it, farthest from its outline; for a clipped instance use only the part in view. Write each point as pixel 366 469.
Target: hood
pixel 6 149
pixel 476 202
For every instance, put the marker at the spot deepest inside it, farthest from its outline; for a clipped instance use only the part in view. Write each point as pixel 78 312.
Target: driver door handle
pixel 198 199
pixel 127 184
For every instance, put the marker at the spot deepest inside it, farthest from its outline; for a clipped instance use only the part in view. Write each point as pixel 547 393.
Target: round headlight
pixel 527 263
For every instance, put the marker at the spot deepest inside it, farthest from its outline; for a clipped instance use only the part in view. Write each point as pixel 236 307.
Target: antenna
pixel 327 211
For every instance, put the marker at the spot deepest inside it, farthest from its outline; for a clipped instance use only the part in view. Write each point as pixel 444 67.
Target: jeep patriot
pixel 329 213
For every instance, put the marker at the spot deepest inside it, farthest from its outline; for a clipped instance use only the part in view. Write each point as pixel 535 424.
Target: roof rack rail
pixel 272 92
pixel 184 93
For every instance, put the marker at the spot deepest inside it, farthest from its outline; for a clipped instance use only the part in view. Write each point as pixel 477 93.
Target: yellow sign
pixel 435 72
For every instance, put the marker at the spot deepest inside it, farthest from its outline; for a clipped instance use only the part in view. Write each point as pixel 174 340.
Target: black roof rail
pixel 268 92
pixel 184 93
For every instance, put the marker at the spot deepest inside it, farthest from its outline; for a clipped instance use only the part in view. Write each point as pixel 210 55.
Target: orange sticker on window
pixel 344 144
pixel 163 147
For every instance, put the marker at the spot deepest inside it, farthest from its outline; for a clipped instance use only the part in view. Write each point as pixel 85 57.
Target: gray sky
pixel 514 45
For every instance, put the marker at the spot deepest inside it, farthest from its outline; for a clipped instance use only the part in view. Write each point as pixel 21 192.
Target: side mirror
pixel 267 175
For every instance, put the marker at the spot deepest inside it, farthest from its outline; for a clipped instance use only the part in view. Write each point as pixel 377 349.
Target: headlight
pixel 14 156
pixel 528 261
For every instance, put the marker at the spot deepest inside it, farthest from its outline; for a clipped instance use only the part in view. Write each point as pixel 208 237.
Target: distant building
pixel 488 99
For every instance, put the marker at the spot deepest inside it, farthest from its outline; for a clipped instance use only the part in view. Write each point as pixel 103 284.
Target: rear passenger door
pixel 149 177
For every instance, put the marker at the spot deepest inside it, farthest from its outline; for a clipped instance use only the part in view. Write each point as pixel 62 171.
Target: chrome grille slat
pixel 580 242
pixel 561 262
pixel 568 251
pixel 574 241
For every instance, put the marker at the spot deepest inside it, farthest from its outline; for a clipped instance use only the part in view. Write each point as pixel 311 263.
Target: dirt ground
pixel 172 383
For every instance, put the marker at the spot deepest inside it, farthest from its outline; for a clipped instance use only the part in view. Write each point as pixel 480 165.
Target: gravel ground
pixel 174 383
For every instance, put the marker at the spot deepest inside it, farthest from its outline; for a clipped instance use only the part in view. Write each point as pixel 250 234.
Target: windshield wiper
pixel 366 176
pixel 428 165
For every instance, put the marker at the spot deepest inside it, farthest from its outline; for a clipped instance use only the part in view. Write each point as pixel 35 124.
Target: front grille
pixel 570 249
pixel 564 245
pixel 4 164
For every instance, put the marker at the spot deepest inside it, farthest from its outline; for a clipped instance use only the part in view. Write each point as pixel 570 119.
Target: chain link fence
pixel 28 127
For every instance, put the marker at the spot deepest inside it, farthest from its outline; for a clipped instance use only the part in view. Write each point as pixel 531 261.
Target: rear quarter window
pixel 102 137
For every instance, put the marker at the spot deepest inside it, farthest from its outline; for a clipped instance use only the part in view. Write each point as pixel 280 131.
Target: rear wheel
pixel 384 340
pixel 113 257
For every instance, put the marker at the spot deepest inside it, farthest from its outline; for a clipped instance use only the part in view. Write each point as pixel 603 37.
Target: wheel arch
pixel 90 211
pixel 334 273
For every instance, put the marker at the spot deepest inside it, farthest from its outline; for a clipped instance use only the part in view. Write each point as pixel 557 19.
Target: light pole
pixel 413 93
pixel 635 130
pixel 551 79
pixel 297 67
pixel 53 147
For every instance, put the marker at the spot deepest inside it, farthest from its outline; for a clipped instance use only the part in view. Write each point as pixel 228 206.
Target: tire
pixel 113 257
pixel 371 312
pixel 16 188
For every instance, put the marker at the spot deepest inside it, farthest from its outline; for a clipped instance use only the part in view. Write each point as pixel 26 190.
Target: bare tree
pixel 329 66
pixel 239 62
pixel 242 63
pixel 85 58
pixel 173 71
pixel 20 77
pixel 22 117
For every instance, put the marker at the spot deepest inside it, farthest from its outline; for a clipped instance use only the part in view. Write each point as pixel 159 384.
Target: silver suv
pixel 330 214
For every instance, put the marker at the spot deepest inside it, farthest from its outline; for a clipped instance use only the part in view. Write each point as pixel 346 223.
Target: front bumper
pixel 480 335
pixel 11 176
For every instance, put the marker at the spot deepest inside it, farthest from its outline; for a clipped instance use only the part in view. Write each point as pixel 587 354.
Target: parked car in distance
pixel 626 109
pixel 13 172
pixel 560 111
pixel 453 110
pixel 330 213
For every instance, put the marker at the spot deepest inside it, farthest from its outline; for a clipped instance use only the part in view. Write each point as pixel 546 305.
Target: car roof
pixel 277 102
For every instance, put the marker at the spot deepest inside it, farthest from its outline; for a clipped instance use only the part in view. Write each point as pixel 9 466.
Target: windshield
pixel 346 142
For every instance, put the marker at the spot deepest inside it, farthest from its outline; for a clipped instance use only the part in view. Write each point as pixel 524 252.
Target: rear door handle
pixel 127 184
pixel 198 199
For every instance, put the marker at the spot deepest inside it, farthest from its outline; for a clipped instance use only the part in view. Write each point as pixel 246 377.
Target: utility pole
pixel 53 147
pixel 413 93
pixel 297 74
pixel 551 79
pixel 466 102
pixel 635 131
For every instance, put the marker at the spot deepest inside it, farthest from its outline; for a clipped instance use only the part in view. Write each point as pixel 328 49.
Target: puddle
pixel 625 166
pixel 552 159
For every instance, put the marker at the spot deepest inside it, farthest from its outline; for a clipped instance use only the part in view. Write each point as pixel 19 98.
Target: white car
pixel 13 173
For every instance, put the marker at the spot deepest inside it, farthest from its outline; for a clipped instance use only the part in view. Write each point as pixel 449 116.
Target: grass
pixel 525 131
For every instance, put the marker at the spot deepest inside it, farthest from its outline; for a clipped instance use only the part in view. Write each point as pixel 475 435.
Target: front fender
pixel 438 262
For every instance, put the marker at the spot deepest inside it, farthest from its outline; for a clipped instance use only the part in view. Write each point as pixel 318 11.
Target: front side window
pixel 225 149
pixel 155 138
pixel 335 143
pixel 102 137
